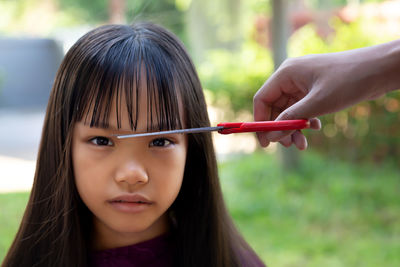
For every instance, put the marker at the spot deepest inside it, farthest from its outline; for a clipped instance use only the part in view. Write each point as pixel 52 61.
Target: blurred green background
pixel 341 205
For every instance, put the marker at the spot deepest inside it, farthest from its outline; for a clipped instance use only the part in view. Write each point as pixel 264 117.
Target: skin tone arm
pixel 314 85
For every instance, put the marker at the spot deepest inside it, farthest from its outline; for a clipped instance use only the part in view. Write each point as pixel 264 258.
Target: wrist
pixel 386 65
pixel 393 66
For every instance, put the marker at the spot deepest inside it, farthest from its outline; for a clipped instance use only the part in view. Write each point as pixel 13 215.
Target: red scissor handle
pixel 262 126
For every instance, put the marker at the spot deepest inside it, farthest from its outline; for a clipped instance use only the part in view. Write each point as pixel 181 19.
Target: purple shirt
pixel 157 252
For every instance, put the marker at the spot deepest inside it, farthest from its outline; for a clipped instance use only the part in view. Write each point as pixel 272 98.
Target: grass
pixel 12 206
pixel 328 213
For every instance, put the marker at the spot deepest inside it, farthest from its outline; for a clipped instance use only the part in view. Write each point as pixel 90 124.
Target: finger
pixel 275 112
pixel 270 92
pixel 299 140
pixel 261 111
pixel 264 142
pixel 299 110
pixel 315 124
pixel 282 102
pixel 275 136
pixel 286 141
pixel 291 101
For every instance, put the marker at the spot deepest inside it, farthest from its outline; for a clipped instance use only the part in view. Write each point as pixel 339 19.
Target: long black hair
pixel 105 64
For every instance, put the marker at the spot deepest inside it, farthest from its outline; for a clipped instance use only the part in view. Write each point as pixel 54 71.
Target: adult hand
pixel 311 86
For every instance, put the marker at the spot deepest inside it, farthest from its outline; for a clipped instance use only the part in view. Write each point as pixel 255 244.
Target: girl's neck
pixel 106 238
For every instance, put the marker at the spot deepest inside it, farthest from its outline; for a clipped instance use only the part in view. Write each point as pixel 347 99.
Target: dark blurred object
pixel 27 71
pixel 116 11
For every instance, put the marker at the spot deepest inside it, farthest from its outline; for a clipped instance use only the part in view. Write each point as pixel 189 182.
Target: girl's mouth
pixel 122 201
pixel 131 203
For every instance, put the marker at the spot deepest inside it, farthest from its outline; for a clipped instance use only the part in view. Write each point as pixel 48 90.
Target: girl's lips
pixel 130 203
pixel 134 198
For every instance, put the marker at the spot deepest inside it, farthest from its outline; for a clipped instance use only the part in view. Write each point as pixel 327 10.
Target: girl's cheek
pixel 92 153
pixel 168 160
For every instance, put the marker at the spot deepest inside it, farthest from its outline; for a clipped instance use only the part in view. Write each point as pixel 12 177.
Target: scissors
pixel 233 127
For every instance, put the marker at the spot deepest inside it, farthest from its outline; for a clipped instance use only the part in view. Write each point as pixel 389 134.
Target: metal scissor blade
pixel 181 131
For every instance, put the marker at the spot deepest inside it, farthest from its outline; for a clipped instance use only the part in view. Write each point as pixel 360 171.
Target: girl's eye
pixel 101 141
pixel 160 142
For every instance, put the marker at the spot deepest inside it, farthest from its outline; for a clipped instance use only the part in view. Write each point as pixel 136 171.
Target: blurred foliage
pixel 370 130
pixel 327 213
pixel 233 77
pixel 318 4
pixel 44 16
pixel 169 13
pixel 345 36
pixel 12 208
pixel 29 16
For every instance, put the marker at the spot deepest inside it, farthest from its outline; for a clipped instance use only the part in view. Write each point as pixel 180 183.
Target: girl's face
pixel 127 184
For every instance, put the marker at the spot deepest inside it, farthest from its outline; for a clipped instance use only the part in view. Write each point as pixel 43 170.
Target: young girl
pixel 149 201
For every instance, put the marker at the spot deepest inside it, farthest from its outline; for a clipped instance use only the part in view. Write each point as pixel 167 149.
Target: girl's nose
pixel 131 173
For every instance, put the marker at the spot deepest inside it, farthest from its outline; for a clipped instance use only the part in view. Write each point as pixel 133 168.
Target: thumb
pixel 303 109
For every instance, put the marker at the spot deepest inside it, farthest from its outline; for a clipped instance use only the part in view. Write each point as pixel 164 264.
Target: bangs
pixel 118 74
